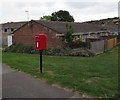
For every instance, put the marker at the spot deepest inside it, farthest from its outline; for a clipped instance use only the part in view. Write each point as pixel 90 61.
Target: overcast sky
pixel 81 10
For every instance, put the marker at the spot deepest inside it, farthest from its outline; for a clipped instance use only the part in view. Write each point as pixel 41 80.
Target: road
pixel 20 85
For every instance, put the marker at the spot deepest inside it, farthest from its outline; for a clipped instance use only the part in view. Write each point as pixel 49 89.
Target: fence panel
pixel 97 46
pixel 118 40
pixel 111 43
pixel 102 45
pixel 115 41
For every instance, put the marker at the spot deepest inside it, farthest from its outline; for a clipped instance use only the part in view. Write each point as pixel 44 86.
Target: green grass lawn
pixel 91 76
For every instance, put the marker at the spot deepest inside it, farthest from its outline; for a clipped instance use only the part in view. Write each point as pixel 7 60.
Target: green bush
pixel 69 52
pixel 20 48
pixel 81 52
pixel 54 51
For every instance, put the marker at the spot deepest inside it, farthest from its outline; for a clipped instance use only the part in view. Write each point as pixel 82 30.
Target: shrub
pixel 20 48
pixel 81 52
pixel 69 52
pixel 54 51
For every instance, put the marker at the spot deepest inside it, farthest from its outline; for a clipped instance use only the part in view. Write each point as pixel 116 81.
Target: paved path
pixel 20 85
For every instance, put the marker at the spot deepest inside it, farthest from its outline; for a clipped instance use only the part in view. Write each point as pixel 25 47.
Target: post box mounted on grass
pixel 40 45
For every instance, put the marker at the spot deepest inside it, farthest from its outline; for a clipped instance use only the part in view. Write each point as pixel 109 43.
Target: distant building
pixel 55 31
pixel 6 29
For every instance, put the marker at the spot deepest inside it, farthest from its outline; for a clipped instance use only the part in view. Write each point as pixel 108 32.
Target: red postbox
pixel 40 45
pixel 40 41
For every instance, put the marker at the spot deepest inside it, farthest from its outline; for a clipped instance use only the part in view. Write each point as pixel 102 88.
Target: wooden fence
pixel 118 40
pixel 102 45
pixel 111 43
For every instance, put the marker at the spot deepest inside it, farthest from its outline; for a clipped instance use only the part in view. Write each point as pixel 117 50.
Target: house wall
pixel 94 35
pixel 26 35
pixel 4 40
pixel 83 37
pixel 5 31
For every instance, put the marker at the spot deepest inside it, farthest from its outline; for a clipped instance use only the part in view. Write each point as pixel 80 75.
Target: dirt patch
pixel 91 79
pixel 49 72
pixel 88 81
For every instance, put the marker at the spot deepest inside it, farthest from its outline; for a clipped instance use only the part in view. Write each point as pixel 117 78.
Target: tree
pixel 45 18
pixel 62 16
pixel 68 37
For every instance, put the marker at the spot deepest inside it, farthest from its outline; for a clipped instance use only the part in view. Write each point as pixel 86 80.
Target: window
pixel 5 30
pixel 12 29
pixel 103 29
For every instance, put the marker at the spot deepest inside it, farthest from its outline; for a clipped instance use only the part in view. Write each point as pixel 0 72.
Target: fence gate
pixel 97 46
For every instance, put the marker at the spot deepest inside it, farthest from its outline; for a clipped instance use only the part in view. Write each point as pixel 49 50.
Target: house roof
pixel 60 27
pixel 13 24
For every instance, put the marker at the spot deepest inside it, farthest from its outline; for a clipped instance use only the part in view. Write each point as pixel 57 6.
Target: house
pixel 55 31
pixel 6 29
pixel 26 34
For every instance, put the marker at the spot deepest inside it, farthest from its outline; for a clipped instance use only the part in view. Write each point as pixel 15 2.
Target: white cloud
pixel 82 10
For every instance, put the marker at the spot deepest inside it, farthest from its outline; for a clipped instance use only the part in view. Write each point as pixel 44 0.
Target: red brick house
pixel 55 32
pixel 26 34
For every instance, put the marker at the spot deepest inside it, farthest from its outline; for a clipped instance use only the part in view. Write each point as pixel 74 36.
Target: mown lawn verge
pixel 92 76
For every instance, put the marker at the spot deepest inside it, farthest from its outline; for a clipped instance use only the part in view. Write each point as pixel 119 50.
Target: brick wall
pixel 26 35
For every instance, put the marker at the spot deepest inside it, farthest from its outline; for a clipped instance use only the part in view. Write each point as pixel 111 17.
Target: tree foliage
pixel 62 15
pixel 69 35
pixel 45 18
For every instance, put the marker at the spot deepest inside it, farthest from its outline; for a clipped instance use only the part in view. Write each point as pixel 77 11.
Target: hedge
pixel 20 48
